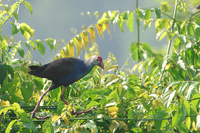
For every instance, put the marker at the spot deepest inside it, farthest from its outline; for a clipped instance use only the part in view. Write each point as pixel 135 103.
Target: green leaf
pixel 20 51
pixel 191 89
pixel 51 43
pixel 9 127
pixel 147 14
pixel 38 82
pixel 111 79
pixel 130 22
pixel 179 117
pixel 28 6
pixel 113 126
pixel 182 128
pixel 160 124
pixel 1 38
pixel 182 39
pixel 27 123
pixel 26 31
pixel 6 86
pixel 92 126
pixel 15 15
pixel 28 44
pixel 40 46
pixel 183 87
pixel 198 122
pixel 47 126
pixel 197 33
pixel 3 73
pixel 165 7
pixel 163 35
pixel 26 93
pixel 120 23
pixel 158 13
pixel 134 51
pixel 15 28
pixel 167 98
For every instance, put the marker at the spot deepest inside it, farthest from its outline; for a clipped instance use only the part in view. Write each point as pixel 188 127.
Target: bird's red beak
pixel 101 65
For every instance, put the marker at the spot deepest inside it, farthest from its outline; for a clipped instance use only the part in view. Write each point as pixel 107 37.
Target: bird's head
pixel 97 60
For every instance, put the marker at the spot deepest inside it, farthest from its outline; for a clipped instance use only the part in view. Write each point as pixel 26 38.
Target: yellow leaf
pixel 65 119
pixel 5 103
pixel 113 109
pixel 84 36
pixel 78 38
pixel 113 114
pixel 107 27
pixel 55 118
pixel 98 30
pixel 91 30
pixel 77 47
pixel 71 48
pixel 188 122
pixel 158 22
pixel 101 28
pixel 64 52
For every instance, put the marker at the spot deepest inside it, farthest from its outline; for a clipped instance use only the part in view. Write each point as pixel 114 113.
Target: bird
pixel 64 72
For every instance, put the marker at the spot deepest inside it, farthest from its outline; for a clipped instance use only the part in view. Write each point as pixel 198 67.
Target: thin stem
pixel 138 33
pixel 174 16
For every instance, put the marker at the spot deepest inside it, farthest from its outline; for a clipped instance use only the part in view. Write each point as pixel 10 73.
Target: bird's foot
pixel 38 117
pixel 81 112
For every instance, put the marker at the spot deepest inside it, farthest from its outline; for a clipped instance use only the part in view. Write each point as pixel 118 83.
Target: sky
pixel 55 18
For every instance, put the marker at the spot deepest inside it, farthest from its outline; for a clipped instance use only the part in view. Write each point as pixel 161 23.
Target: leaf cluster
pixel 159 94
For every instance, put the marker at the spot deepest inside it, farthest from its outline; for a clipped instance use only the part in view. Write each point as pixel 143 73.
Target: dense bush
pixel 162 97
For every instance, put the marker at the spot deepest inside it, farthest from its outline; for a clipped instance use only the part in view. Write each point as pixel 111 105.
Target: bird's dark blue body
pixel 80 71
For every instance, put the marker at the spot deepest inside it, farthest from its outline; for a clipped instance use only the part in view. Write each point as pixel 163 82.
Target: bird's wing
pixel 58 68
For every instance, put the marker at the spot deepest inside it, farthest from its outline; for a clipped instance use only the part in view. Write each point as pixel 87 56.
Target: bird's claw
pixel 81 112
pixel 37 117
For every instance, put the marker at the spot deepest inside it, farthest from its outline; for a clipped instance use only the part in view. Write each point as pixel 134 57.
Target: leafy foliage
pixel 159 94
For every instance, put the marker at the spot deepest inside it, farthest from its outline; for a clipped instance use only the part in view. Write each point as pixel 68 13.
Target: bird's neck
pixel 89 65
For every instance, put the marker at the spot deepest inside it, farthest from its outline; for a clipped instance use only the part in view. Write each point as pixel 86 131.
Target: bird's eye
pixel 97 59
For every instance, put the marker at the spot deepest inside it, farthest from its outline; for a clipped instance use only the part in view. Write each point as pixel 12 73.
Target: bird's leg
pixel 76 113
pixel 36 107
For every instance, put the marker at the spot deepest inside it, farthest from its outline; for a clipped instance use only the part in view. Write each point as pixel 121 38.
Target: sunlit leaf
pixel 84 36
pixel 179 116
pixel 51 43
pixel 160 124
pixel 191 89
pixel 77 47
pixel 40 46
pixel 98 30
pixel 28 6
pixel 113 126
pixel 165 7
pixel 111 80
pixel 65 119
pixel 167 98
pixel 120 23
pixel 113 109
pixel 107 27
pixel 130 21
pixel 91 30
pixel 9 127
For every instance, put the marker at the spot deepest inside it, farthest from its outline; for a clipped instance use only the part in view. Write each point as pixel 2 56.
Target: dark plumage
pixel 64 72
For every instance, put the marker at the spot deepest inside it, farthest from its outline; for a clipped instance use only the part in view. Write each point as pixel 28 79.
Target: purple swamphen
pixel 64 71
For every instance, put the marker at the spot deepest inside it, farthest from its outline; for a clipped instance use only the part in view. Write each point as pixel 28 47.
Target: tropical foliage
pixel 160 93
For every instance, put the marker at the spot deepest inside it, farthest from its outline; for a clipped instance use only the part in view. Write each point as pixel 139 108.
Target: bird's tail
pixel 34 70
